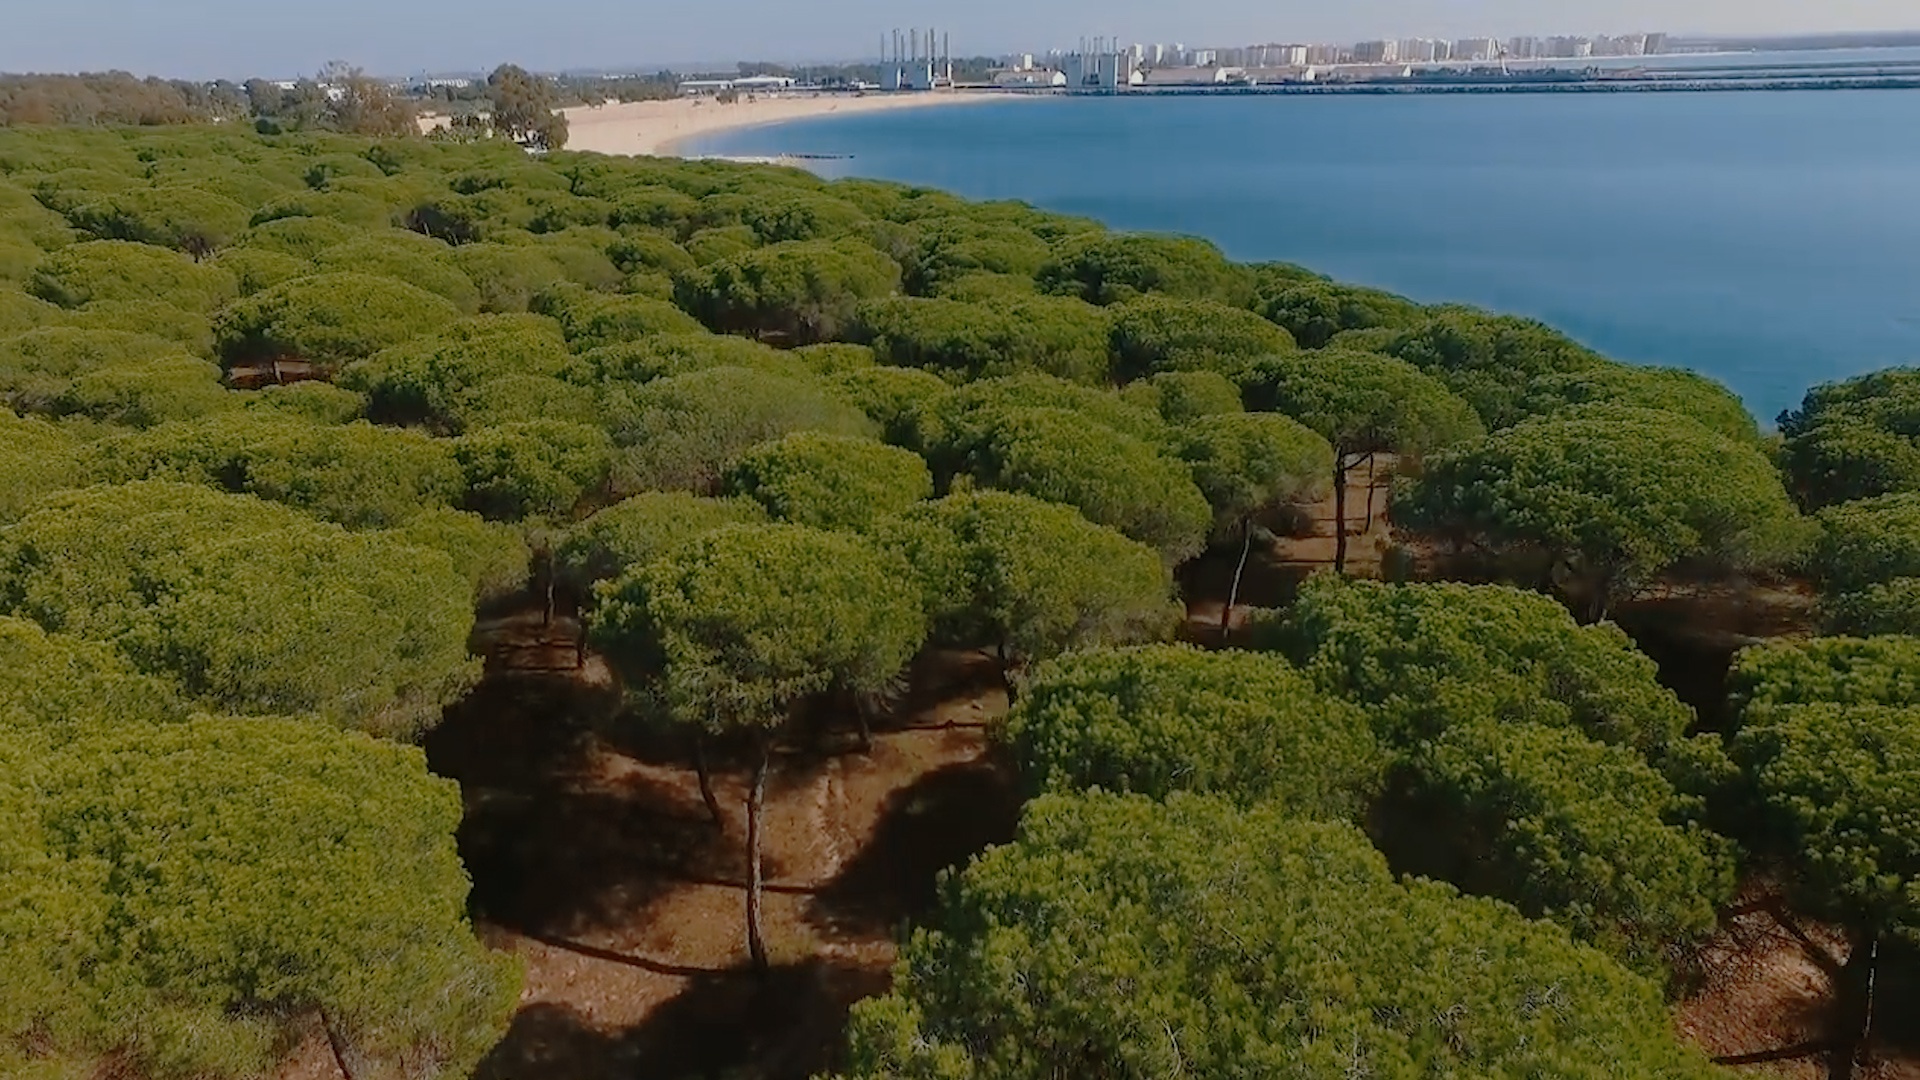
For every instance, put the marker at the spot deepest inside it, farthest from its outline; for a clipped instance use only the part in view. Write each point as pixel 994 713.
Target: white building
pixel 1477 48
pixel 1376 52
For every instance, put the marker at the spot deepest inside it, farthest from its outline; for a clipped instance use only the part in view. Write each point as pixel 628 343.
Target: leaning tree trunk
pixel 1370 485
pixel 335 1044
pixel 756 797
pixel 705 774
pixel 1340 466
pixel 1233 593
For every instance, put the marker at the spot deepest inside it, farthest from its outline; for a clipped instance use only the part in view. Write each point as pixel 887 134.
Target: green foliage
pixel 20 312
pixel 660 356
pixel 830 481
pixel 55 688
pixel 218 864
pixel 1031 578
pixel 147 393
pixel 681 433
pixel 1854 439
pixel 329 320
pixel 1614 495
pixel 180 217
pixel 193 332
pixel 1245 463
pixel 1363 403
pixel 1891 607
pixel 35 458
pixel 1314 310
pixel 802 291
pixel 1490 360
pixel 785 215
pixel 1114 479
pixel 1062 337
pixel 635 531
pixel 709 246
pixel 590 319
pixel 1152 334
pixel 1109 268
pixel 1121 937
pixel 1842 671
pixel 947 428
pixel 508 276
pixel 493 557
pixel 1181 397
pixel 1425 659
pixel 534 469
pixel 834 358
pixel 1669 389
pixel 121 270
pixel 424 380
pixel 1572 830
pixel 891 397
pixel 1158 719
pixel 357 475
pixel 315 402
pixel 37 367
pixel 1868 543
pixel 302 238
pixel 249 606
pixel 745 622
pixel 404 257
pixel 1839 784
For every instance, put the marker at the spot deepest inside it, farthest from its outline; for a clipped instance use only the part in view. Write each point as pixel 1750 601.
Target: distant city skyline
pixel 207 39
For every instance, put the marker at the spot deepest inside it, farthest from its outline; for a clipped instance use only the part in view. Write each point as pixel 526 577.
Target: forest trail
pixel 594 859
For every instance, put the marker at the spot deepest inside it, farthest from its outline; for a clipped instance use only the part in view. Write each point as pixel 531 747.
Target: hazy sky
pixel 214 38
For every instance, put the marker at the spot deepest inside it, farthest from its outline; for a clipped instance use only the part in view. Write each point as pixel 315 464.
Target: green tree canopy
pixel 215 866
pixel 147 393
pixel 744 624
pixel 178 216
pixel 1569 829
pixel 830 481
pixel 800 291
pixel 1313 311
pixel 1183 396
pixel 1157 719
pixel 39 366
pixel 423 380
pixel 1121 936
pixel 1030 578
pixel 637 530
pixel 1057 336
pixel 1114 479
pixel 1668 389
pixel 523 108
pixel 55 688
pixel 1363 404
pixel 891 397
pixel 1108 268
pixel 357 475
pixel 1489 360
pixel 328 320
pixel 1868 542
pixel 405 257
pixel 1613 496
pixel 682 432
pixel 250 606
pixel 1427 658
pixel 1152 334
pixel 123 270
pixel 1245 463
pixel 1854 439
pixel 532 469
pixel 36 458
pixel 1843 671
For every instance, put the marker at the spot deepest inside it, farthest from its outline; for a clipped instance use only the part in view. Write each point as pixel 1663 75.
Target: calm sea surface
pixel 1771 240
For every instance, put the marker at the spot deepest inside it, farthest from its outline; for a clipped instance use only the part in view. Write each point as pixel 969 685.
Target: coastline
pixel 664 128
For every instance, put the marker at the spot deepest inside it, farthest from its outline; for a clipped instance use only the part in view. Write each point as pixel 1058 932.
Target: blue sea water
pixel 1770 240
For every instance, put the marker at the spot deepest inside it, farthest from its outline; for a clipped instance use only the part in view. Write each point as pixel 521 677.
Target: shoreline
pixel 665 128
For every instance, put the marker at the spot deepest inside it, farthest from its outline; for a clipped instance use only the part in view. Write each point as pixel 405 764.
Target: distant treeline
pixel 115 97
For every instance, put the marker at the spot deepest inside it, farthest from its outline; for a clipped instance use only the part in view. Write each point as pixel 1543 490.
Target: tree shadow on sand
pixel 726 1024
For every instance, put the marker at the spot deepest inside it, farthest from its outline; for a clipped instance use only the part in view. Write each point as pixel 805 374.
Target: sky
pixel 205 39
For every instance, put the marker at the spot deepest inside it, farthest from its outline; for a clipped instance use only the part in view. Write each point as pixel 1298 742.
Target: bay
pixel 1767 239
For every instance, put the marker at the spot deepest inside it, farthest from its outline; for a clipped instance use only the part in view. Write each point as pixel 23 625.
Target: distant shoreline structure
pixel 666 128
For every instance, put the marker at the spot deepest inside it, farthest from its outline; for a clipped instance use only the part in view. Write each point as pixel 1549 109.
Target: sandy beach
pixel 661 128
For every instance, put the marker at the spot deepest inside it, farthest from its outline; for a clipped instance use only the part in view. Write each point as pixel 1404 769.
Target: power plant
pixel 915 60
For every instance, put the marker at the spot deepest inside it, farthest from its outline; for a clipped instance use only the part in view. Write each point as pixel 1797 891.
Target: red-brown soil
pixel 594 858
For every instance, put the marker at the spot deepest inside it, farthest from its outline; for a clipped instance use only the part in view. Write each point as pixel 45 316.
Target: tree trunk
pixel 706 780
pixel 1233 593
pixel 1006 675
pixel 1853 1008
pixel 756 796
pixel 333 1044
pixel 866 724
pixel 1369 528
pixel 1340 467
